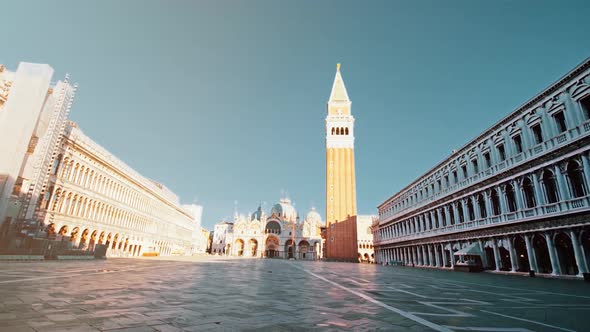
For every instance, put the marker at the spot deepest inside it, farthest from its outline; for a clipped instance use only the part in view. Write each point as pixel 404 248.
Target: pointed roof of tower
pixel 338 93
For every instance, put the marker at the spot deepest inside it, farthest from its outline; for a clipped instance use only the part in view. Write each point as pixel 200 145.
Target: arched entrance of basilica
pixel 290 249
pixel 253 247
pixel 240 247
pixel 304 250
pixel 272 247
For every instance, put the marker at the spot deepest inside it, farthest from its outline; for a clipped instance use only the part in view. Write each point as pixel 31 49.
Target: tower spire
pixel 338 93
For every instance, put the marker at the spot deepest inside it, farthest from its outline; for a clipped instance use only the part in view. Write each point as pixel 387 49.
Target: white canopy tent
pixel 472 249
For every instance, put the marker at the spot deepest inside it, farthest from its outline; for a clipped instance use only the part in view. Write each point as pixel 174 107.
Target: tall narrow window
pixel 475 166
pixel 346 131
pixel 455 178
pixel 510 198
pixel 460 212
pixel 576 179
pixel 501 152
pixel 486 157
pixel 495 200
pixel 470 209
pixel 560 122
pixel 537 133
pixel 585 104
pixel 446 181
pixel 529 193
pixel 517 143
pixel 482 206
pixel 464 171
pixel 550 186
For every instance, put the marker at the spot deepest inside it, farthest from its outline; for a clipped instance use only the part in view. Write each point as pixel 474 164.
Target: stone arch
pixel 575 177
pixel 528 191
pixel 550 186
pixel 522 256
pixel 272 246
pixel 272 227
pixel 74 234
pixel 290 248
pixel 565 253
pixel 51 231
pixel 239 245
pixel 253 244
pixel 84 239
pixel 541 253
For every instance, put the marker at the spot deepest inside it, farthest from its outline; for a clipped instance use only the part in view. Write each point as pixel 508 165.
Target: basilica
pixel 280 234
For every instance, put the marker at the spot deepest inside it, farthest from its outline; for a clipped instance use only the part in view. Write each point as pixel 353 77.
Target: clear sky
pixel 225 101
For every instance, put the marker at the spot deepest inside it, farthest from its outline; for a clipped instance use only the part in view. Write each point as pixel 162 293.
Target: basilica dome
pixel 258 214
pixel 313 217
pixel 285 210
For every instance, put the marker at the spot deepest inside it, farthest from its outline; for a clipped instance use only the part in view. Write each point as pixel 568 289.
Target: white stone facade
pixel 278 235
pixel 95 198
pixel 516 197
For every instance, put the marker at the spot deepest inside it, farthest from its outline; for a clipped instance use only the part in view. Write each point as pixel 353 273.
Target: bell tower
pixel 340 177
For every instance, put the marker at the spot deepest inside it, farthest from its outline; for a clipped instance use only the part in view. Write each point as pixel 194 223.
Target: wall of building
pixel 96 199
pixel 520 189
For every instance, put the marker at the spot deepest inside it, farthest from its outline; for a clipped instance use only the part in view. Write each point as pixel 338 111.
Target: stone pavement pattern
pixel 214 294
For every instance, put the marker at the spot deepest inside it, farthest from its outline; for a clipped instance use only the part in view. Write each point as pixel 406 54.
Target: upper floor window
pixel 560 121
pixel 501 152
pixel 537 133
pixel 455 179
pixel 475 166
pixel 487 158
pixel 585 104
pixel 446 181
pixel 517 143
pixel 464 170
pixel 439 184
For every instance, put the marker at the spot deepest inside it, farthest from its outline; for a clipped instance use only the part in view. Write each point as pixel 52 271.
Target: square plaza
pixel 223 294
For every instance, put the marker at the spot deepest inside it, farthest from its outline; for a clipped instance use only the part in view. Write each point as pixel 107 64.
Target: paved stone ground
pixel 218 294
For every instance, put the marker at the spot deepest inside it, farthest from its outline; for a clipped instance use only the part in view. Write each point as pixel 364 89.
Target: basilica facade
pixel 514 199
pixel 280 234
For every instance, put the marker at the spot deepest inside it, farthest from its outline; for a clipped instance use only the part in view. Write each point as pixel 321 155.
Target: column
pixel 484 258
pixel 518 195
pixel 513 259
pixel 452 256
pixel 496 255
pixel 440 219
pixel 430 258
pixel 586 166
pixel 580 261
pixel 539 197
pixel 465 209
pixel 502 198
pixel 564 193
pixel 553 255
pixel 444 255
pixel 488 204
pixel 475 208
pixel 426 262
pixel 447 215
pixel 437 259
pixel 456 212
pixel 531 253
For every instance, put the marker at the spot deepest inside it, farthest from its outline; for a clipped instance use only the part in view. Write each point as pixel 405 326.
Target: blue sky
pixel 225 101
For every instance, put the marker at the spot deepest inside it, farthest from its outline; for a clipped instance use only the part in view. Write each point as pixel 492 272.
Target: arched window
pixel 529 192
pixel 495 202
pixel 576 179
pixel 550 186
pixel 510 198
pixel 482 206
pixel 346 131
pixel 337 131
pixel 333 130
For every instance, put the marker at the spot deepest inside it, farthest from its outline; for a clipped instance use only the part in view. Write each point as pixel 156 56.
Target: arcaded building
pixel 280 234
pixel 95 198
pixel 516 196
